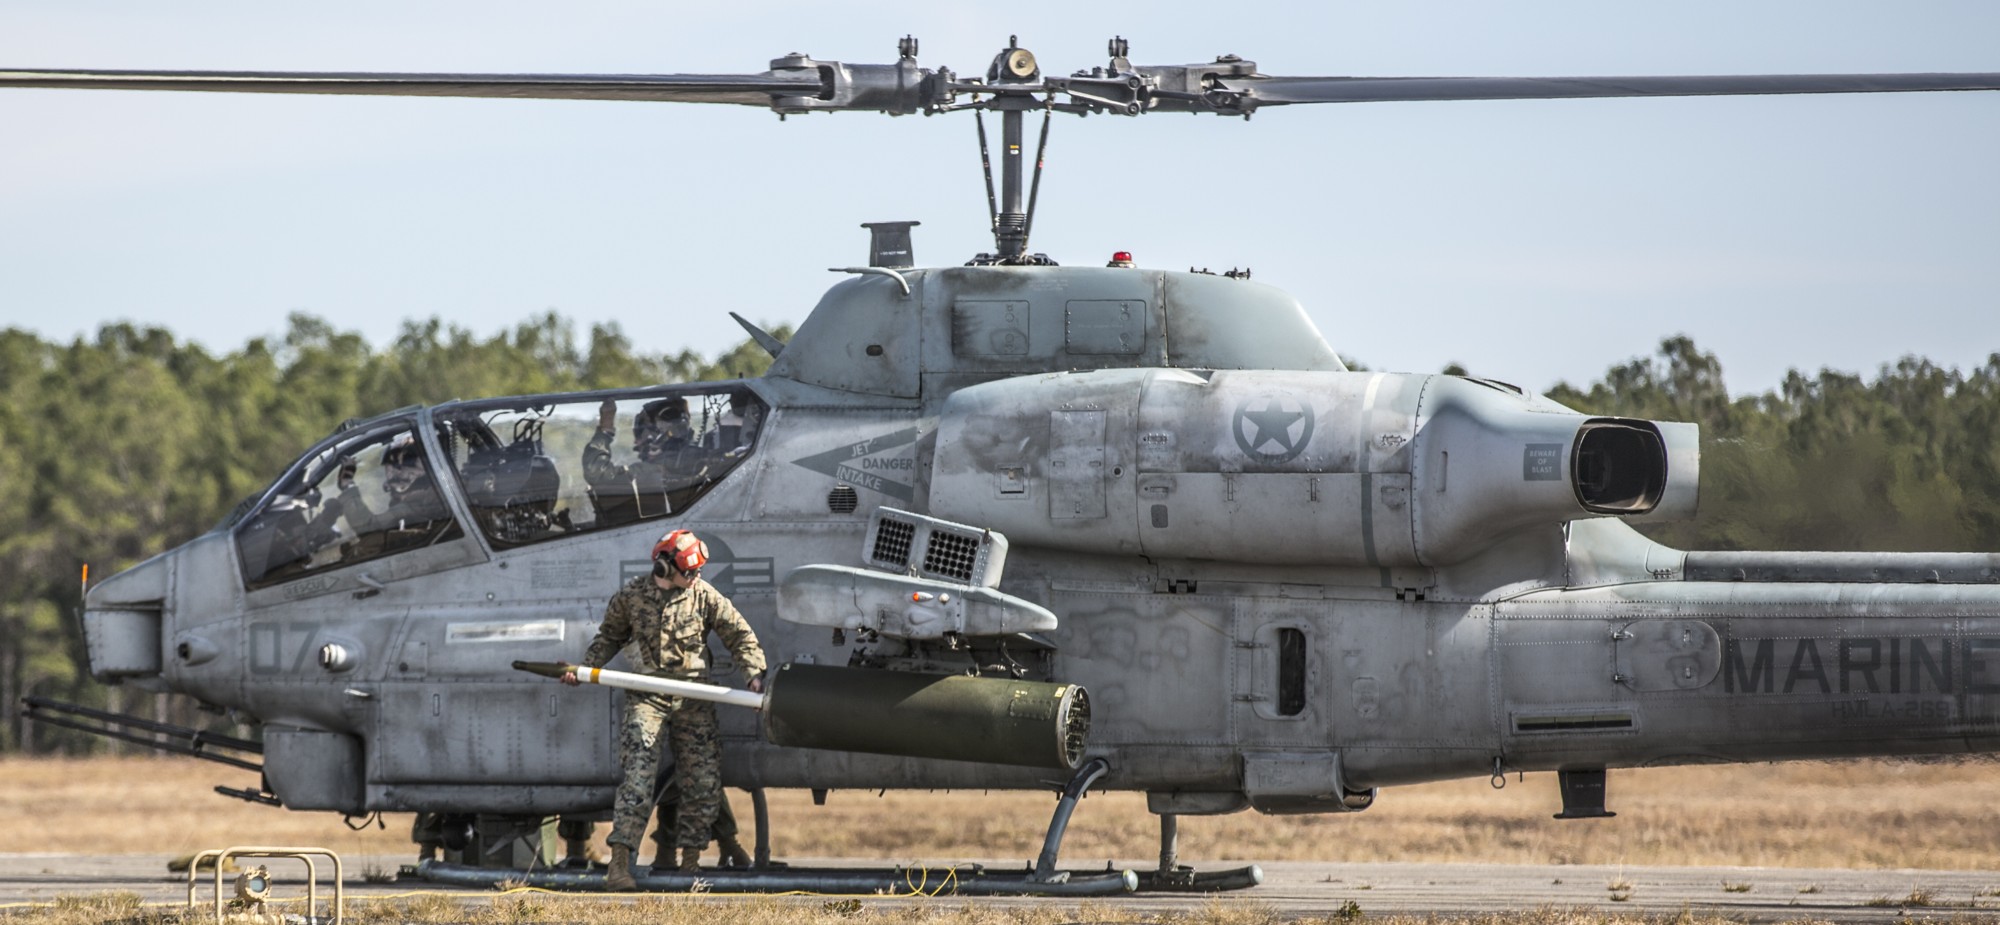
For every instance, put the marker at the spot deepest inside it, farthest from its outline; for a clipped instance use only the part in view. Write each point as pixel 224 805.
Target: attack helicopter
pixel 1180 547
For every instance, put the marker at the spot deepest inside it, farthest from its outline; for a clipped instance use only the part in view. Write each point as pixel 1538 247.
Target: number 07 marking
pixel 268 648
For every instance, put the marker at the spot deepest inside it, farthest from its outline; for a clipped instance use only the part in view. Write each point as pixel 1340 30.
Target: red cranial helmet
pixel 682 550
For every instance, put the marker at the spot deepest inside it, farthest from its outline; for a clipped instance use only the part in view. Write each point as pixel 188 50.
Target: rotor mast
pixel 1013 78
pixel 1010 228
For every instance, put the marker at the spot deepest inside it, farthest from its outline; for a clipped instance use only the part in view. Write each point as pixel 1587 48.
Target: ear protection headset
pixel 681 551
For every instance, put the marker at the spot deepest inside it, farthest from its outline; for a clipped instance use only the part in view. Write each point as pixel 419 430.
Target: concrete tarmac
pixel 1292 888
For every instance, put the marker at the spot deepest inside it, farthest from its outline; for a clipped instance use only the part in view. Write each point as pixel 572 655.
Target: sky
pixel 1530 241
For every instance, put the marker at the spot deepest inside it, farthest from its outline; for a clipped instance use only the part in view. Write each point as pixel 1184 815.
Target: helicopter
pixel 1283 584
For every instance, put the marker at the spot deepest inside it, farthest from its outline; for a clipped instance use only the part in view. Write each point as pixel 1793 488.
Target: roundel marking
pixel 1276 432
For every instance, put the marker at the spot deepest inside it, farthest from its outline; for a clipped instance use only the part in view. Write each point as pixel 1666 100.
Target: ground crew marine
pixel 661 622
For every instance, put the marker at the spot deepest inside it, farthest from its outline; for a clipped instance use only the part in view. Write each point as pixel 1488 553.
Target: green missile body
pixel 905 713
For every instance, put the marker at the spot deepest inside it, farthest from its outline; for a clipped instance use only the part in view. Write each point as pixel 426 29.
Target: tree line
pixel 119 446
pixel 1908 460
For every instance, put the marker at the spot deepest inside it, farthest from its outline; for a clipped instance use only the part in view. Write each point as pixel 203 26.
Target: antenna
pixel 889 244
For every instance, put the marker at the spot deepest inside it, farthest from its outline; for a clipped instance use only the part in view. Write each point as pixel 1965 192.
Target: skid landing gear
pixel 1170 877
pixel 900 881
pixel 766 876
pixel 1174 877
pixel 1045 865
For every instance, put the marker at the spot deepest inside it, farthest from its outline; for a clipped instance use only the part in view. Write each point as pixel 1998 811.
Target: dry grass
pixel 159 805
pixel 1870 814
pixel 672 910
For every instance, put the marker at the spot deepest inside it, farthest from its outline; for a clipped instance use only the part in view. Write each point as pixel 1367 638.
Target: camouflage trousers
pixel 667 820
pixel 697 748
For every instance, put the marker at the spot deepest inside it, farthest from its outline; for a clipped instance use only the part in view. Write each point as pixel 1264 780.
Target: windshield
pixel 538 469
pixel 367 495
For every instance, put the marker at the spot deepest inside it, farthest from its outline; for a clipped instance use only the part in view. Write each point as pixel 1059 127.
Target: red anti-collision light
pixel 1122 257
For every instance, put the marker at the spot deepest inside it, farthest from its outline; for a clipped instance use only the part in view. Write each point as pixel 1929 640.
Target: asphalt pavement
pixel 1290 888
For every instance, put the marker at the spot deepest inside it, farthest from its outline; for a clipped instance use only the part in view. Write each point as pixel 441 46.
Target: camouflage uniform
pixel 667 824
pixel 664 633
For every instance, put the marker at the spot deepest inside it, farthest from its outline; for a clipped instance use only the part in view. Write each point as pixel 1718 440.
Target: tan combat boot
pixel 691 859
pixel 733 854
pixel 618 879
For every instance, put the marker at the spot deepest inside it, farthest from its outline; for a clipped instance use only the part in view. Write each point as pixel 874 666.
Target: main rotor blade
pixel 832 86
pixel 1280 91
pixel 740 89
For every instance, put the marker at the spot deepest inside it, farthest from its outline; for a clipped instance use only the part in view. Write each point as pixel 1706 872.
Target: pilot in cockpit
pixel 740 425
pixel 414 516
pixel 669 472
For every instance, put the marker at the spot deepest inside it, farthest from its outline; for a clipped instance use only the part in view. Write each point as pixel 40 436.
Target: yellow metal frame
pixel 216 856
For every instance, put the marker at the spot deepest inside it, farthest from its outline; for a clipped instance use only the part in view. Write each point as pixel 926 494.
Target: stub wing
pixel 902 606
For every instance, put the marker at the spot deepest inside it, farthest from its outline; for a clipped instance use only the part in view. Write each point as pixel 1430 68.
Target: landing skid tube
pixel 764 877
pixel 1173 877
pixel 943 881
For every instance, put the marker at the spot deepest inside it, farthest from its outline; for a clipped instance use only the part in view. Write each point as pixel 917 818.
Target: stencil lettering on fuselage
pixel 879 464
pixel 1861 665
pixel 1542 462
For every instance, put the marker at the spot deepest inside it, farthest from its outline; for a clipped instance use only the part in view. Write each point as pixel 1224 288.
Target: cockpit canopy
pixel 537 469
pixel 367 493
pixel 525 470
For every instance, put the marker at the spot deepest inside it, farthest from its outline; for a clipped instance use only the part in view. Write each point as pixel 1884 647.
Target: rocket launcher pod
pixel 913 715
pixel 956 717
pixel 926 579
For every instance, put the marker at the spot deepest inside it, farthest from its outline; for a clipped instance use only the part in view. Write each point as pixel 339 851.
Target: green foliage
pixel 117 447
pixel 1909 461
